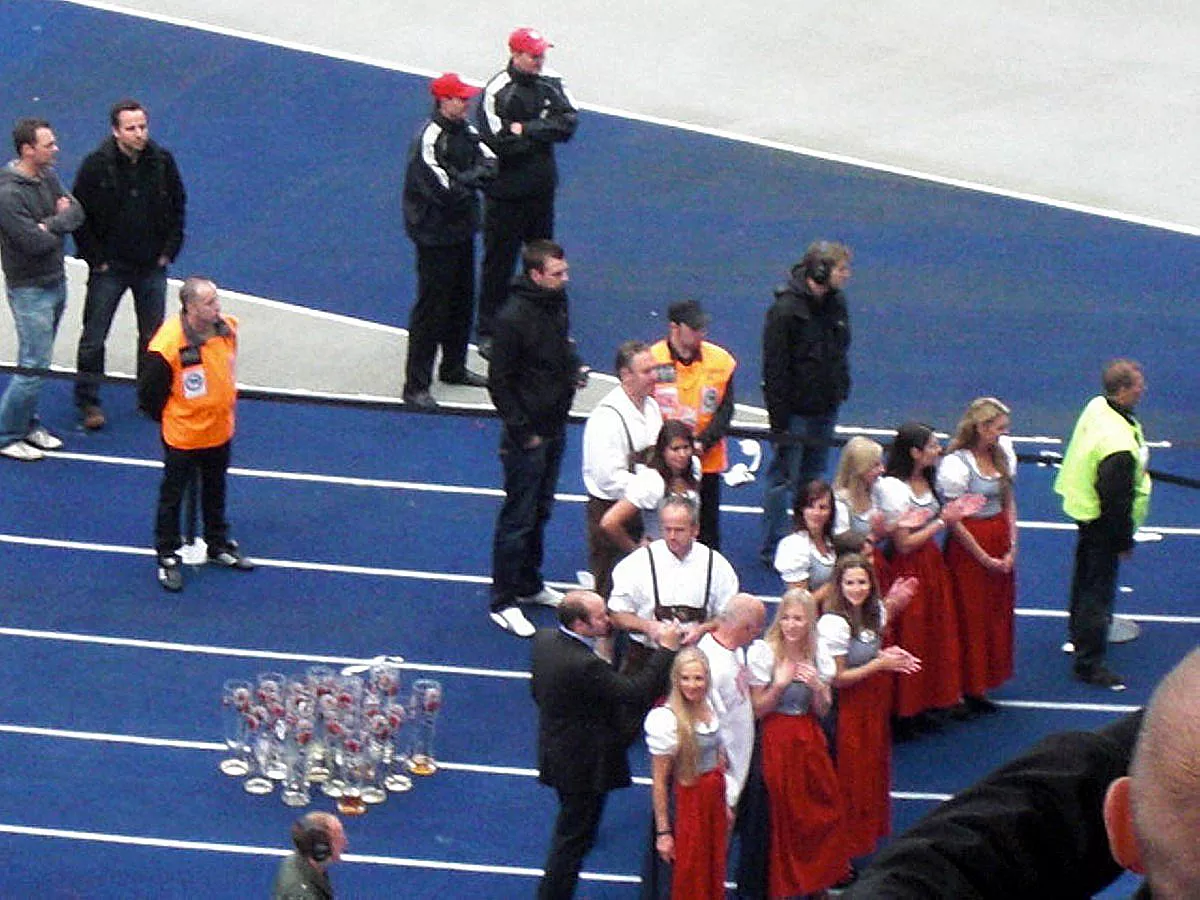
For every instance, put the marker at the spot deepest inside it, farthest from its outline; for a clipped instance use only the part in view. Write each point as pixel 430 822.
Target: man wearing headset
pixel 320 840
pixel 806 377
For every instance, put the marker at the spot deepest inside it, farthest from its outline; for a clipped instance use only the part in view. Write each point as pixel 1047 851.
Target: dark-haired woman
pixel 671 469
pixel 928 627
pixel 805 558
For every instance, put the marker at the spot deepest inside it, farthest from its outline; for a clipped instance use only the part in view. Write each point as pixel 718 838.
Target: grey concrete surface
pixel 1095 102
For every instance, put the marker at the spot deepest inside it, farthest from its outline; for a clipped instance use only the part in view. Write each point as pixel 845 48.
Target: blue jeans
pixel 530 477
pixel 104 292
pixel 36 311
pixel 791 466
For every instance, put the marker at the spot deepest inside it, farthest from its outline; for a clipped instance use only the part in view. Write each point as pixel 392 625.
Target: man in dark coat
pixel 130 189
pixel 581 747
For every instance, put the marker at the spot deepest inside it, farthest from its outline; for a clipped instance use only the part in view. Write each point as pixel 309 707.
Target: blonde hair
pixel 774 637
pixel 981 411
pixel 858 456
pixel 687 757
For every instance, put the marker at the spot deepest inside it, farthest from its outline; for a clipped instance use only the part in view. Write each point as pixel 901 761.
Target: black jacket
pixel 1033 828
pixel 135 213
pixel 580 698
pixel 543 106
pixel 447 163
pixel 806 342
pixel 534 365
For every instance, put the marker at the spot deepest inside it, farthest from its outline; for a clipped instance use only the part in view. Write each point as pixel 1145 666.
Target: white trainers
pixel 512 620
pixel 547 596
pixel 42 439
pixel 22 451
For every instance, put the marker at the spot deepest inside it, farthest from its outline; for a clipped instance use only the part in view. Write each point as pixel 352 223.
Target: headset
pixel 311 841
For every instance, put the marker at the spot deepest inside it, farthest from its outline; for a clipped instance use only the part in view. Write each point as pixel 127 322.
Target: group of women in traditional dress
pixel 898 603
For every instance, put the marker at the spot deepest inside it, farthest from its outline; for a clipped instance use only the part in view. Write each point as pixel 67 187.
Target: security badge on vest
pixel 195 383
pixel 667 395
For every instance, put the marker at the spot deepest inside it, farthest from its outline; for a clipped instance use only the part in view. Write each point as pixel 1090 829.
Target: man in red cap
pixel 447 164
pixel 524 112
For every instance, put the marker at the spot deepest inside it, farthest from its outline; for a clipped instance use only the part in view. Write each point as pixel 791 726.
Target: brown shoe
pixel 93 418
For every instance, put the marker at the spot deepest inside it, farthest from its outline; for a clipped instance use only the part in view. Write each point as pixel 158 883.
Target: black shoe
pixel 230 557
pixel 485 347
pixel 1101 677
pixel 981 705
pixel 421 400
pixel 170 573
pixel 960 712
pixel 466 377
pixel 904 729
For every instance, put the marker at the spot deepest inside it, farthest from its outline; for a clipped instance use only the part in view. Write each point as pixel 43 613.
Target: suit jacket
pixel 579 698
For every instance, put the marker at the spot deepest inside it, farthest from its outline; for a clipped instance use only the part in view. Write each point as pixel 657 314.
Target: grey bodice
pixel 709 747
pixel 795 700
pixel 862 649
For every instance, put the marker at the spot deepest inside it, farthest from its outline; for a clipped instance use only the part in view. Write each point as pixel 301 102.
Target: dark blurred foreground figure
pixel 1064 819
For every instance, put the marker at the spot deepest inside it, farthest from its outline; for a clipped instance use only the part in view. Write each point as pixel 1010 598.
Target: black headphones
pixel 312 841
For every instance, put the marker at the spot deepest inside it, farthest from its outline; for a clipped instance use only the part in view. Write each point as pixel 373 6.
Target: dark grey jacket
pixel 33 255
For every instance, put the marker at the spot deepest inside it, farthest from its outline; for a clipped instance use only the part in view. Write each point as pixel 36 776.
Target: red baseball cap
pixel 450 85
pixel 528 40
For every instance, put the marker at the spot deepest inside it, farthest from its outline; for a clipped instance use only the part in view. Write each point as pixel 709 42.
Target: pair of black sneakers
pixel 228 556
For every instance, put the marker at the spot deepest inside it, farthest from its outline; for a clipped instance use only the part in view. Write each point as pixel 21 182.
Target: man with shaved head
pixel 738 624
pixel 1066 818
pixel 319 839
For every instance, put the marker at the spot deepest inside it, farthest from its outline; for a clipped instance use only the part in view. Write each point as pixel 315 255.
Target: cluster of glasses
pixel 352 735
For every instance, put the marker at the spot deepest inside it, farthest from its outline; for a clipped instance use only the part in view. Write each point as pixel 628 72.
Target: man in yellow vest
pixel 189 384
pixel 1105 488
pixel 694 383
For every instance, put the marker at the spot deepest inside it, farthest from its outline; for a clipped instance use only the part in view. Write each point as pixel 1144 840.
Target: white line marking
pixel 469 490
pixel 1035 613
pixel 665 122
pixel 917 795
pixel 240 653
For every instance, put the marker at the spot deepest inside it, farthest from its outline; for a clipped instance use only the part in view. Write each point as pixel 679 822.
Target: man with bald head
pixel 582 746
pixel 1152 815
pixel 738 624
pixel 1066 818
pixel 189 384
pixel 319 839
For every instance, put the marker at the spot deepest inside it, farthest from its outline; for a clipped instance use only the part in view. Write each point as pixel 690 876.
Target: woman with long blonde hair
pixel 788 687
pixel 981 552
pixel 687 761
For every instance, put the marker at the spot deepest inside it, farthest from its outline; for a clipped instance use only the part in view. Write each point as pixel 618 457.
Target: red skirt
pixel 985 601
pixel 700 830
pixel 864 761
pixel 807 850
pixel 928 628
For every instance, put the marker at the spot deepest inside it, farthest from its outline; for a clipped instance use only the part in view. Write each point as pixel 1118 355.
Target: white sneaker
pixel 22 451
pixel 43 439
pixel 547 596
pixel 512 620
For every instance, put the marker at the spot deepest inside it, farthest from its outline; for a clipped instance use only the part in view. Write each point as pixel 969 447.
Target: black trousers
pixel 574 835
pixel 1093 593
pixel 710 510
pixel 507 224
pixel 178 468
pixel 441 317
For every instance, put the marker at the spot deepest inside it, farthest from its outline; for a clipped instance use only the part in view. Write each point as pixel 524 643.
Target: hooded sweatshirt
pixel 33 256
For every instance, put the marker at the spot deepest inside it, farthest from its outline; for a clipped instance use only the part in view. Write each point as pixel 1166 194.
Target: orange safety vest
pixel 693 391
pixel 199 413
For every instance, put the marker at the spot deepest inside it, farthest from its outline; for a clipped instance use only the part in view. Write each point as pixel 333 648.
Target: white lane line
pixel 841 158
pixel 450 577
pixel 1116 708
pixel 476 768
pixel 469 490
pixel 240 653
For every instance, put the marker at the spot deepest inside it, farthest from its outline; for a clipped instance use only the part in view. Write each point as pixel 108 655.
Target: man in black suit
pixel 581 750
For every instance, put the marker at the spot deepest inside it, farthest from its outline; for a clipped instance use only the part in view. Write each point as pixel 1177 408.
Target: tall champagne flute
pixel 424 705
pixel 236 698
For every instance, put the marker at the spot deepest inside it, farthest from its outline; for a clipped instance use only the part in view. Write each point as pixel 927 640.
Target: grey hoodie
pixel 31 255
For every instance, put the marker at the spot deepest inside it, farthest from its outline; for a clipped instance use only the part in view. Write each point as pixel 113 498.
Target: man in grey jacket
pixel 36 213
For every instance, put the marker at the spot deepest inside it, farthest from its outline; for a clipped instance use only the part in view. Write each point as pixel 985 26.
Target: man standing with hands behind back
pixel 130 189
pixel 525 111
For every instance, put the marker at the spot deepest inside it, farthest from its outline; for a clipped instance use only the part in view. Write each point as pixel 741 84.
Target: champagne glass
pixel 424 705
pixel 236 697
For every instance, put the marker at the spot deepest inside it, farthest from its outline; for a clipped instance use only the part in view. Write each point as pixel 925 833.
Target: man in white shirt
pixel 737 626
pixel 674 579
pixel 622 425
